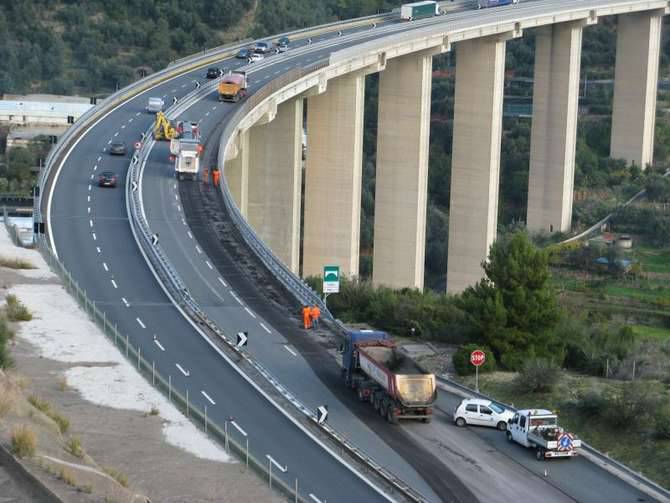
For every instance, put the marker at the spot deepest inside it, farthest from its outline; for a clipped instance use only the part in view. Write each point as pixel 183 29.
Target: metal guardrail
pixel 295 285
pixel 640 479
pixel 171 280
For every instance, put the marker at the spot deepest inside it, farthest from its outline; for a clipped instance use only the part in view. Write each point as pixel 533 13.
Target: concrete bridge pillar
pixel 236 172
pixel 554 129
pixel 275 178
pixel 475 164
pixel 402 172
pixel 635 86
pixel 333 177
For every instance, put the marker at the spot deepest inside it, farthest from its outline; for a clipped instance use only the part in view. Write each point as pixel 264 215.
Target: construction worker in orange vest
pixel 307 317
pixel 316 313
pixel 205 176
pixel 215 176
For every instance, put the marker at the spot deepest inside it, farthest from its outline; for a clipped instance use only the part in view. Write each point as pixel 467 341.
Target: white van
pixel 481 412
pixel 155 105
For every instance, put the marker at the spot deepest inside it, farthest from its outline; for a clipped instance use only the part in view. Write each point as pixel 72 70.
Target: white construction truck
pixel 186 150
pixel 538 429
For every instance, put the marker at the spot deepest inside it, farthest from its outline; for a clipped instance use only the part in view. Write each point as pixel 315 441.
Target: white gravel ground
pixel 61 332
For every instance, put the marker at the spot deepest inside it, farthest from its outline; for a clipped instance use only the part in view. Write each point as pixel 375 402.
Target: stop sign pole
pixel 477 358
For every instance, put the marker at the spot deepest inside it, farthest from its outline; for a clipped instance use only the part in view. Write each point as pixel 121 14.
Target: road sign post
pixel 477 358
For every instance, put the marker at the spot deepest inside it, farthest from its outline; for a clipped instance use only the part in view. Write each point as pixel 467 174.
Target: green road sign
pixel 331 279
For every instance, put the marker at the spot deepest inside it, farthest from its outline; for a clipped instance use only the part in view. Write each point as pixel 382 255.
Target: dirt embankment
pixel 90 428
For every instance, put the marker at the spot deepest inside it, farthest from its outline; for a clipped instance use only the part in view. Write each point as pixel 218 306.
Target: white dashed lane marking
pixel 290 351
pixel 236 298
pixel 197 248
pixel 99 158
pixel 139 322
pixel 250 313
pixel 104 265
pixel 125 302
pixel 116 134
pixel 94 236
pixel 114 284
pixel 222 282
pixel 266 328
pixel 159 345
pixel 98 249
pixel 190 235
pixel 209 399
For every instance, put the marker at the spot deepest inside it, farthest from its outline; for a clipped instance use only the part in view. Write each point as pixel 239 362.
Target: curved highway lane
pixel 92 237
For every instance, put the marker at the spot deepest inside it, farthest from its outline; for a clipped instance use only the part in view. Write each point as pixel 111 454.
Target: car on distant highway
pixel 262 47
pixel 243 53
pixel 480 412
pixel 118 148
pixel 107 179
pixel 214 72
pixel 256 57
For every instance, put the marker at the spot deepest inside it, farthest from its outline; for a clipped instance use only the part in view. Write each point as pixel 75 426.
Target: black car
pixel 117 148
pixel 214 73
pixel 107 179
pixel 243 54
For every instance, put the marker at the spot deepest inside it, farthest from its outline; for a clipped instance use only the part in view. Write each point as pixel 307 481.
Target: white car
pixel 256 57
pixel 481 412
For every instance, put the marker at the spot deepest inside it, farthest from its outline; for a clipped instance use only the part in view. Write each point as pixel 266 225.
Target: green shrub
pixel 73 446
pixel 462 363
pixel 16 311
pixel 592 403
pixel 538 375
pixel 630 406
pixel 24 441
pixel 662 421
pixel 61 421
pixel 116 475
pixel 15 263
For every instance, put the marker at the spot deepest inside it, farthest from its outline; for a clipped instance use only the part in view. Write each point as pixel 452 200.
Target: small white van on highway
pixel 155 105
pixel 481 412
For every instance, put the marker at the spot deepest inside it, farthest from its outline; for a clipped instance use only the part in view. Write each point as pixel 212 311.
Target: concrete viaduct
pixel 263 163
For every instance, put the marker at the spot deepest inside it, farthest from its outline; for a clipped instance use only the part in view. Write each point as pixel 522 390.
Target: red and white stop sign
pixel 478 357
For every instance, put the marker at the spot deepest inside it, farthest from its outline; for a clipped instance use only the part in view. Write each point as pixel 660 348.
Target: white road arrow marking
pixel 185 372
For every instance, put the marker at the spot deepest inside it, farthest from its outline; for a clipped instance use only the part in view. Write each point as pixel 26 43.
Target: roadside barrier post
pixel 170 389
pixel 187 403
pixel 153 373
pixel 205 419
pixel 138 356
pixel 127 346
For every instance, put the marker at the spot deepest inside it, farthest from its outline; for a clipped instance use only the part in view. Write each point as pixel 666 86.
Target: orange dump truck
pixel 233 86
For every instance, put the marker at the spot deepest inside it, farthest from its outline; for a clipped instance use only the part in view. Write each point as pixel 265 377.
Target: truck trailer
pixel 484 4
pixel 419 10
pixel 389 380
pixel 233 86
pixel 538 429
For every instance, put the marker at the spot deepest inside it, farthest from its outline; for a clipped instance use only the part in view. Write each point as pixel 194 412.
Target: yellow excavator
pixel 163 129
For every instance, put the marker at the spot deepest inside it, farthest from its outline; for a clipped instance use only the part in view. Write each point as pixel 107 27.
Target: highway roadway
pixel 92 237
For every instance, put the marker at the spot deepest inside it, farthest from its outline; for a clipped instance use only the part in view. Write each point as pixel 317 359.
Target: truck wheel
pixel 361 395
pixel 382 409
pixel 391 416
pixel 375 403
pixel 539 454
pixel 427 419
pixel 460 422
pixel 502 425
pixel 509 436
